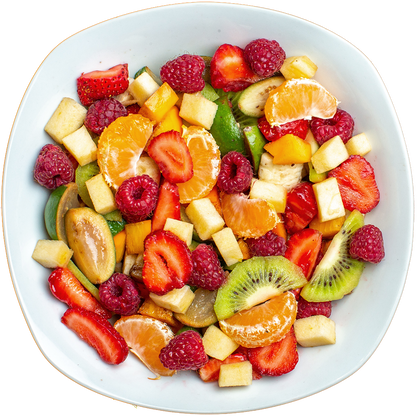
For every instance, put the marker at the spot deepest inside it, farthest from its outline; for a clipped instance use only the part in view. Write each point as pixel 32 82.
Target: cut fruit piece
pixel 329 228
pixel 159 103
pixel 51 210
pixel 235 374
pixel 329 155
pixel 146 337
pixel 315 331
pixel 177 300
pixel 255 281
pixel 83 280
pixel 228 246
pixel 329 200
pixel 296 99
pixel 101 195
pixel 217 344
pixel 262 324
pixel 151 309
pixel 337 274
pixel 289 149
pixel 358 145
pixel 143 87
pixel 82 175
pixel 136 233
pixel 254 143
pixel 273 193
pixel 52 253
pixel 298 67
pixel 81 146
pixel 198 110
pixel 171 121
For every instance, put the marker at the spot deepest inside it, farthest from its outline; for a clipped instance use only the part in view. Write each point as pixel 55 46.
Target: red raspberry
pixel 102 113
pixel 298 128
pixel 367 244
pixel 184 73
pixel 306 309
pixel 270 244
pixel 119 294
pixel 53 168
pixel 207 271
pixel 341 124
pixel 133 108
pixel 136 198
pixel 235 173
pixel 184 352
pixel 264 56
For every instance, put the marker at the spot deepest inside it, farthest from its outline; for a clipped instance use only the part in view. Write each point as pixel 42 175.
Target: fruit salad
pixel 205 217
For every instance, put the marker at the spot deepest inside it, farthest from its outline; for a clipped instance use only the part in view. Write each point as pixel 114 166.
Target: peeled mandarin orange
pixel 300 98
pixel 146 337
pixel 248 218
pixel 120 147
pixel 262 324
pixel 206 164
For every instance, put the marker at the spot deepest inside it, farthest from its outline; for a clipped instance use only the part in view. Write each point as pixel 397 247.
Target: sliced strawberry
pixel 168 205
pixel 96 85
pixel 298 128
pixel 229 70
pixel 276 359
pixel 303 248
pixel 210 371
pixel 98 333
pixel 167 262
pixel 301 207
pixel 357 184
pixel 68 289
pixel 171 154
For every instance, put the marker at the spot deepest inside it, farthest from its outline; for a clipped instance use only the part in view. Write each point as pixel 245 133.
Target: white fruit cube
pixel 68 117
pixel 330 155
pixel 183 230
pixel 205 218
pixel 235 374
pixel 228 246
pixel 329 200
pixel 315 331
pixel 81 146
pixel 52 253
pixel 298 67
pixel 217 344
pixel 101 195
pixel 275 194
pixel 198 110
pixel 143 87
pixel 177 300
pixel 358 145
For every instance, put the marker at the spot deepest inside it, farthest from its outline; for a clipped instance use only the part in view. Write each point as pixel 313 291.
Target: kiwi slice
pixel 254 281
pixel 337 274
pixel 82 175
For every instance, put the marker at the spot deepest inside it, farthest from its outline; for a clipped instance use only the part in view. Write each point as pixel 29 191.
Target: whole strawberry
pixel 367 244
pixel 184 352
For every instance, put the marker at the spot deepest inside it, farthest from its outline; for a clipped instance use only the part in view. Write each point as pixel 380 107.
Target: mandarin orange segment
pixel 248 218
pixel 262 324
pixel 120 147
pixel 298 99
pixel 145 337
pixel 206 164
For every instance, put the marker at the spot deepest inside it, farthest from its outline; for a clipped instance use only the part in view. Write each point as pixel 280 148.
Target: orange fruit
pixel 262 324
pixel 206 164
pixel 300 98
pixel 145 337
pixel 248 218
pixel 120 147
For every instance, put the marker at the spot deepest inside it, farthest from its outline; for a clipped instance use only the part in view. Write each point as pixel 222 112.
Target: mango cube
pixel 183 230
pixel 228 246
pixel 143 87
pixel 171 121
pixel 177 300
pixel 159 103
pixel 275 194
pixel 315 331
pixel 101 195
pixel 198 110
pixel 289 149
pixel 52 253
pixel 298 67
pixel 329 200
pixel 217 344
pixel 358 145
pixel 328 228
pixel 136 233
pixel 330 155
pixel 235 374
pixel 120 245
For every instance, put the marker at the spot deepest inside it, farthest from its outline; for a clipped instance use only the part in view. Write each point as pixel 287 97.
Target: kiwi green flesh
pixel 254 281
pixel 254 142
pixel 50 211
pixel 82 175
pixel 337 274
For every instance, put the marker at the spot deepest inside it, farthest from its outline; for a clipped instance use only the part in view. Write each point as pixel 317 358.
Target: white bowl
pixel 361 318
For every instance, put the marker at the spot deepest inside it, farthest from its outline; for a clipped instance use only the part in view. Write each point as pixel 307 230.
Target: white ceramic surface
pixel 362 318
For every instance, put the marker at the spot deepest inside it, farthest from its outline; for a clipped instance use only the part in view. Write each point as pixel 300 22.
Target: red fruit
pixel 270 244
pixel 168 205
pixel 211 370
pixel 235 173
pixel 68 289
pixel 276 359
pixel 133 108
pixel 167 262
pixel 298 128
pixel 98 333
pixel 229 69
pixel 303 248
pixel 96 85
pixel 171 154
pixel 306 309
pixel 301 207
pixel 357 185
pixel 367 244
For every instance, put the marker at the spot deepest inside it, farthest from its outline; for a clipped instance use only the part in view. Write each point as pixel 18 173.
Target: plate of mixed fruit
pixel 204 218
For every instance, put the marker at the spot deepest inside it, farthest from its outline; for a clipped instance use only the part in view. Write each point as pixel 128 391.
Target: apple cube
pixel 198 110
pixel 68 117
pixel 298 67
pixel 228 246
pixel 143 87
pixel 235 374
pixel 177 300
pixel 205 218
pixel 217 344
pixel 329 200
pixel 330 155
pixel 159 103
pixel 315 331
pixel 358 145
pixel 289 149
pixel 183 230
pixel 101 195
pixel 275 194
pixel 136 232
pixel 52 253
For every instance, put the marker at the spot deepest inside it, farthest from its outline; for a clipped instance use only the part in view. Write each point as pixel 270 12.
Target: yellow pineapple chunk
pixel 52 253
pixel 183 230
pixel 198 110
pixel 235 374
pixel 315 331
pixel 298 67
pixel 101 195
pixel 81 146
pixel 143 87
pixel 159 103
pixel 177 300
pixel 330 155
pixel 217 344
pixel 275 194
pixel 136 233
pixel 228 246
pixel 329 200
pixel 358 145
